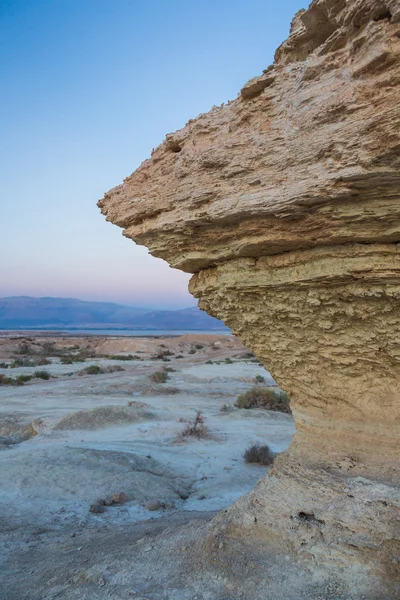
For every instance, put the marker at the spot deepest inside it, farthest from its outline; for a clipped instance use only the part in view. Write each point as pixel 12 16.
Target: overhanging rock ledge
pixel 285 205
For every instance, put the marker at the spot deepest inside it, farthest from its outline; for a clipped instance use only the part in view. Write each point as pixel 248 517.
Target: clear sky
pixel 88 88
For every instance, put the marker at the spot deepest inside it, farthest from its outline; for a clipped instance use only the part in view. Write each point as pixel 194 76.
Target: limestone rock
pixel 285 204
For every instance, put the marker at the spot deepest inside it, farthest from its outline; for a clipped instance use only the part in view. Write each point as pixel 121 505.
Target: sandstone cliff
pixel 285 204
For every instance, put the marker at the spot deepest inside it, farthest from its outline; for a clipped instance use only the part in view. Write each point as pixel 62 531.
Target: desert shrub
pixel 166 359
pixel 209 362
pixel 199 346
pixel 169 370
pixel 270 399
pixel 3 365
pixel 226 408
pixel 192 351
pixel 162 354
pixel 258 454
pixel 259 379
pixel 196 428
pixel 179 356
pixel 10 380
pixel 48 349
pixel 66 360
pixel 24 378
pixel 91 370
pixel 228 361
pixel 170 391
pixel 159 377
pixel 113 369
pixel 30 362
pixel 125 357
pixel 24 348
pixel 41 375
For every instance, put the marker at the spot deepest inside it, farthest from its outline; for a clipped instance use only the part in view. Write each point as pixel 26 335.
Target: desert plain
pixel 101 430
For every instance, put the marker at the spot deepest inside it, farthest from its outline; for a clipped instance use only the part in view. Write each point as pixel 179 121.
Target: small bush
pixel 159 377
pixel 24 348
pixel 10 380
pixel 196 428
pixel 179 356
pixel 226 408
pixel 66 360
pixel 259 379
pixel 29 362
pixel 91 370
pixel 267 398
pixel 41 375
pixel 24 378
pixel 169 370
pixel 228 361
pixel 3 365
pixel 162 354
pixel 192 351
pixel 125 357
pixel 258 454
pixel 113 369
pixel 199 346
pixel 209 362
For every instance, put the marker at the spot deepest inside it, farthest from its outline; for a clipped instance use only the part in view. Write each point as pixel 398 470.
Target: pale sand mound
pixel 76 477
pixel 103 416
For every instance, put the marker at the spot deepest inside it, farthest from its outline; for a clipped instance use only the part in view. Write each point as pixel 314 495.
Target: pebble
pixel 153 505
pixel 96 508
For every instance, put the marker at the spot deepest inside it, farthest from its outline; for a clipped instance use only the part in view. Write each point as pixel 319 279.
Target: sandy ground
pixel 86 442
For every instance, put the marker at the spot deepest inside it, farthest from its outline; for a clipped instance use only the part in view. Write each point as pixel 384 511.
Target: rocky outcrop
pixel 285 204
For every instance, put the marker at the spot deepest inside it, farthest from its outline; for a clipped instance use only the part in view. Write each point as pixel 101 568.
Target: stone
pixel 96 508
pixel 118 498
pixel 154 505
pixel 284 204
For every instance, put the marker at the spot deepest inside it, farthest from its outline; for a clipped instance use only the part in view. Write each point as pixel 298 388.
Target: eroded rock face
pixel 285 204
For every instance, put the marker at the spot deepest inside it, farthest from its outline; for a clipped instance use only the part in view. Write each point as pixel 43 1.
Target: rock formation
pixel 285 205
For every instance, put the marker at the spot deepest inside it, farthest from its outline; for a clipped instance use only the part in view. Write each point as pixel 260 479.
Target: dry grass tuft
pixel 196 428
pixel 268 398
pixel 259 454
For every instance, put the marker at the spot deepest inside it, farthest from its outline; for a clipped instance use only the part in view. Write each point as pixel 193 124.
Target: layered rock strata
pixel 285 204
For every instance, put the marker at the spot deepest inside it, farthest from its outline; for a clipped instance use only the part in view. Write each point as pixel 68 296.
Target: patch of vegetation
pixel 25 378
pixel 91 370
pixel 259 454
pixel 169 370
pixel 10 380
pixel 166 359
pixel 270 399
pixel 227 408
pixel 30 362
pixel 192 351
pixel 42 375
pixel 259 379
pixel 113 369
pixel 125 357
pixel 196 428
pixel 160 377
pixel 3 365
pixel 209 362
pixel 24 348
pixel 162 354
pixel 179 356
pixel 199 346
pixel 228 361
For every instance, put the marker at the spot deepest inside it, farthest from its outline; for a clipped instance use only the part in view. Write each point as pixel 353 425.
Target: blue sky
pixel 89 87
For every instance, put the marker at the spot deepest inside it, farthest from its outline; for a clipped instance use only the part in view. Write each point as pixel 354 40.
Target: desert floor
pixel 74 439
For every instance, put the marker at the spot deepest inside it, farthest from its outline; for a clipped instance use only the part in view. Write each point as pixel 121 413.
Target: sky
pixel 89 87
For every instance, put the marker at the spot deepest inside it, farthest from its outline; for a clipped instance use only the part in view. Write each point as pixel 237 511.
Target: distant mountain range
pixel 24 312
